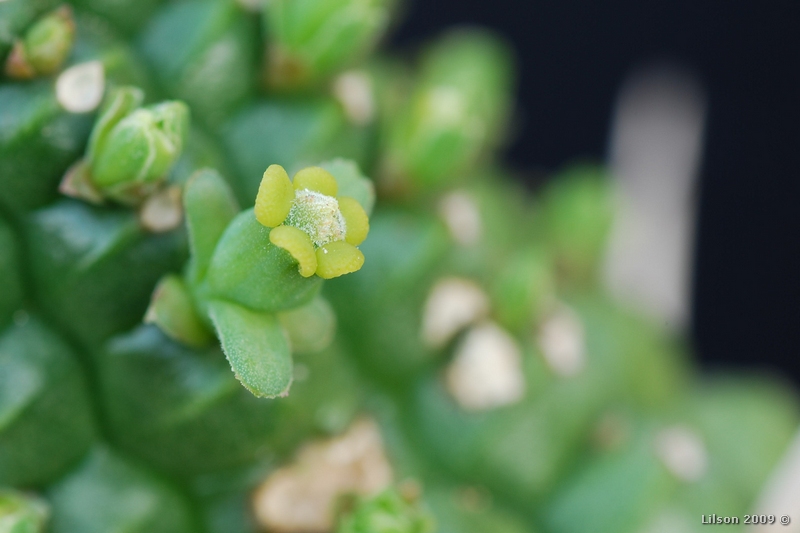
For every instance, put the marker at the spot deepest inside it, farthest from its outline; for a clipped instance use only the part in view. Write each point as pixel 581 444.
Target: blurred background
pixel 575 56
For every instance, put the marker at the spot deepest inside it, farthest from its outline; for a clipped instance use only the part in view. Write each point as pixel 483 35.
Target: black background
pixel 572 58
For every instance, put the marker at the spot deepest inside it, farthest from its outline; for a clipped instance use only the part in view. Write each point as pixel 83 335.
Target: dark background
pixel 574 55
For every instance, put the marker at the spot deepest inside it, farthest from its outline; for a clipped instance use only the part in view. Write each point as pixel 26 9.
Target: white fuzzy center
pixel 318 216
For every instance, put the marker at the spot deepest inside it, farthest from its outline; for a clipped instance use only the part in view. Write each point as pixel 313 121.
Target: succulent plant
pixel 321 305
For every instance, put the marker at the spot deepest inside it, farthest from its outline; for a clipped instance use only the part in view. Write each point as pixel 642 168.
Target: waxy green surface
pixel 100 415
pixel 46 419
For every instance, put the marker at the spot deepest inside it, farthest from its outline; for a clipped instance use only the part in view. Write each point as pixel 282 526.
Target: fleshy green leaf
pixel 455 513
pixel 619 490
pixel 127 15
pixel 256 347
pixel 209 206
pixel 172 310
pixel 118 104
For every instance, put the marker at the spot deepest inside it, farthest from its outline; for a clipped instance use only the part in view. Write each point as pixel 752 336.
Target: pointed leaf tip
pixel 256 347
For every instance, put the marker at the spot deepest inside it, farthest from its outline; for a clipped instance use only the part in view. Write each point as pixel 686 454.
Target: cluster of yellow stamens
pixel 319 229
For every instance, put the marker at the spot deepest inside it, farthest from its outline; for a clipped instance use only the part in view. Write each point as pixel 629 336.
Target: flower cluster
pixel 251 278
pixel 318 228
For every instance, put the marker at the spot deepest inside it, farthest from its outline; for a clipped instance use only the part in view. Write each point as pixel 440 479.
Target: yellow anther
pixel 356 220
pixel 316 179
pixel 338 258
pixel 299 246
pixel 275 197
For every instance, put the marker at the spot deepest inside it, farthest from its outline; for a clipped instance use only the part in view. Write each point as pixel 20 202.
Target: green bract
pixel 250 278
pixel 44 47
pixel 131 149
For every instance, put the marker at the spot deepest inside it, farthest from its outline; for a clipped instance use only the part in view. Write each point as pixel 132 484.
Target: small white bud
pixel 80 88
pixel 354 91
pixel 561 340
pixel 162 211
pixel 487 370
pixel 462 217
pixel 682 452
pixel 452 305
